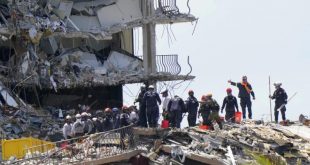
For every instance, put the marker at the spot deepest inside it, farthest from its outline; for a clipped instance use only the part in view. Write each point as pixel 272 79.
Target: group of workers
pixel 173 110
pixel 86 123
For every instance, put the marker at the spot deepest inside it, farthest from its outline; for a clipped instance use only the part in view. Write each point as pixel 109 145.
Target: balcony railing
pixel 168 7
pixel 167 64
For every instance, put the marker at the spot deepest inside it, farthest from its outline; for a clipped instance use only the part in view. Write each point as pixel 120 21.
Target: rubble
pixel 245 143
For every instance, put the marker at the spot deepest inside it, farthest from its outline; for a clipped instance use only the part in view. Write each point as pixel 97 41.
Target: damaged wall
pixel 98 97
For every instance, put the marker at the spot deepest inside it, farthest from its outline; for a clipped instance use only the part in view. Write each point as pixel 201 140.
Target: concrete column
pixel 149 40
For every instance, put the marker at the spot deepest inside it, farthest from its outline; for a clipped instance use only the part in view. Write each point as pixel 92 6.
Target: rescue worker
pixel 150 100
pixel 142 110
pixel 209 110
pixel 98 124
pixel 125 121
pixel 116 118
pixel 88 124
pixel 166 100
pixel 230 104
pixel 108 120
pixel 245 92
pixel 204 111
pixel 215 108
pixel 78 126
pixel 280 97
pixel 67 128
pixel 133 115
pixel 175 108
pixel 192 108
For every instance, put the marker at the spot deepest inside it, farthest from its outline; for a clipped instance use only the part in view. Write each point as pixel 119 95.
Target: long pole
pixel 270 103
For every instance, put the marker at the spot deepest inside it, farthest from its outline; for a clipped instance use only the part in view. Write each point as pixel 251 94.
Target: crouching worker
pixel 209 109
pixel 231 105
pixel 67 129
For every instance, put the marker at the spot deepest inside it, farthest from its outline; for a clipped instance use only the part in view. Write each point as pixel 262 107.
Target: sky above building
pixel 256 38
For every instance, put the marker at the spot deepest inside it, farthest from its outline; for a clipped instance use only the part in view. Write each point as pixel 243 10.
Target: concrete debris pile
pixel 20 122
pixel 247 143
pixel 18 119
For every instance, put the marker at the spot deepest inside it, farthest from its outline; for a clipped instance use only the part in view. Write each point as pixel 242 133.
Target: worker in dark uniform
pixel 280 97
pixel 230 104
pixel 175 109
pixel 192 108
pixel 245 92
pixel 150 100
pixel 142 111
pixel 108 122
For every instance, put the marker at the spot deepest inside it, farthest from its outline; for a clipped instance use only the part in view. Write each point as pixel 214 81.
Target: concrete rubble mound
pixel 251 142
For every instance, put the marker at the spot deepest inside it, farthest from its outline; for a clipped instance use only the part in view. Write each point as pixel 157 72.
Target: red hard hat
pixel 228 90
pixel 203 98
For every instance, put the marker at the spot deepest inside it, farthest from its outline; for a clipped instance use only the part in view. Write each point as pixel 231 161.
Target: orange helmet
pixel 107 110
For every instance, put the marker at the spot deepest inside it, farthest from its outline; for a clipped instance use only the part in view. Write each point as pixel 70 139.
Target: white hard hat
pixel 78 116
pixel 94 119
pixel 88 114
pixel 277 84
pixel 151 86
pixel 84 114
pixel 68 117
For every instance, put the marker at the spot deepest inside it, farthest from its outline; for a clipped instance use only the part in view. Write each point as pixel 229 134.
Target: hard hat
pixel 84 114
pixel 244 77
pixel 89 114
pixel 190 91
pixel 228 90
pixel 209 95
pixel 151 87
pixel 115 110
pixel 165 91
pixel 68 117
pixel 94 119
pixel 124 107
pixel 277 84
pixel 78 116
pixel 107 110
pixel 203 98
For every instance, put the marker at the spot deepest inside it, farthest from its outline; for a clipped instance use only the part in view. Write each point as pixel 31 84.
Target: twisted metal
pixel 95 146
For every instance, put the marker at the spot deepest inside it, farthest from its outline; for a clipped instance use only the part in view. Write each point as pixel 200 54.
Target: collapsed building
pixel 82 50
pixel 57 55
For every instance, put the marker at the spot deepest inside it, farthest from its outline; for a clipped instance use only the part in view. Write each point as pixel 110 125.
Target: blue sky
pixel 256 38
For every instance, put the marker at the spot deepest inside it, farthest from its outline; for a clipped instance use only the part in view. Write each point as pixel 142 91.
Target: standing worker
pixel 67 129
pixel 150 100
pixel 175 108
pixel 245 92
pixel 280 97
pixel 230 104
pixel 192 108
pixel 165 113
pixel 142 112
pixel 209 109
pixel 78 126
